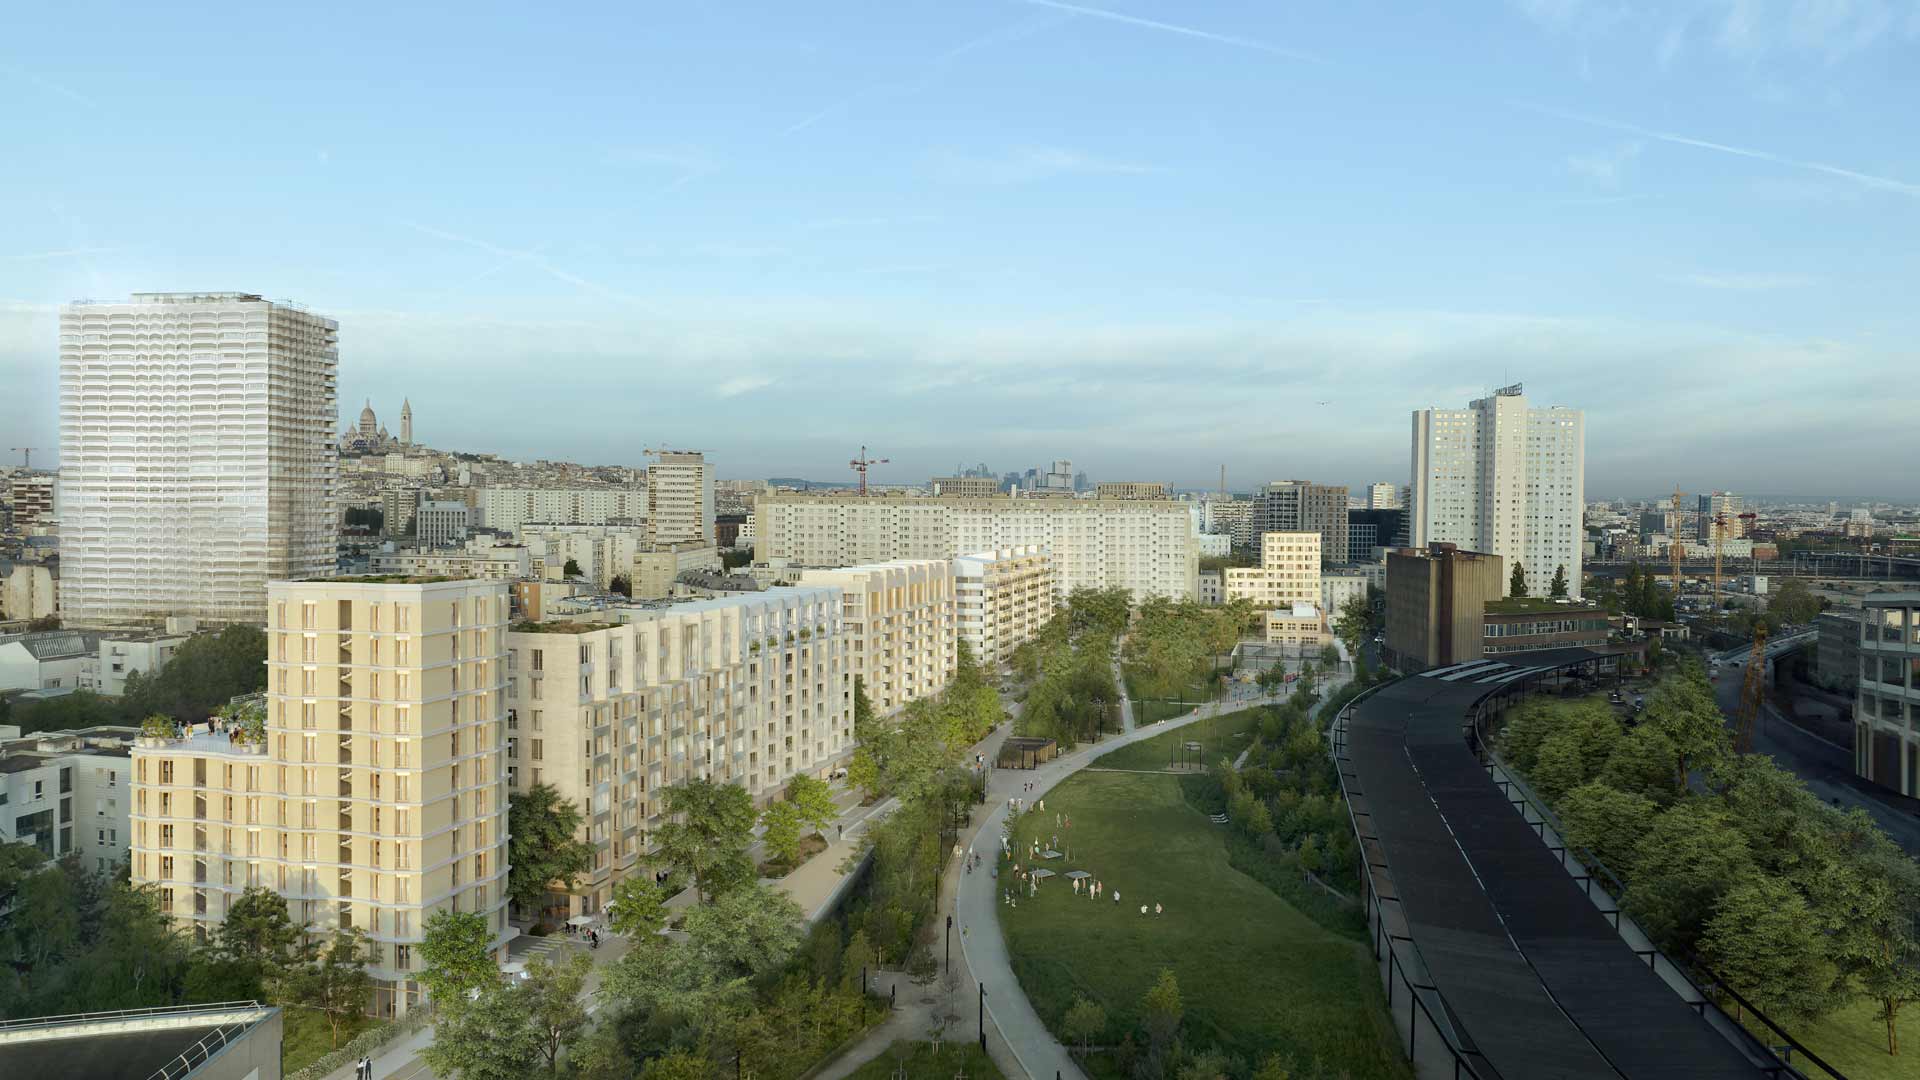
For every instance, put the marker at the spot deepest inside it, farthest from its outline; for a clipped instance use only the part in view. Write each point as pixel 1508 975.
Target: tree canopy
pixel 543 851
pixel 709 828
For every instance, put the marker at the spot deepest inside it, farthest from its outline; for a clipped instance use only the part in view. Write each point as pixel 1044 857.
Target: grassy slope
pixel 305 1037
pixel 921 1060
pixel 1256 975
pixel 1854 1041
pixel 1202 687
pixel 1222 736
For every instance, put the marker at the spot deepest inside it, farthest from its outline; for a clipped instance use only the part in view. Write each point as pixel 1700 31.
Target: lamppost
pixel 949 941
pixel 983 1018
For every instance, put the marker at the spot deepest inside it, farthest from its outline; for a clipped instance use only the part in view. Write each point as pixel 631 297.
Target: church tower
pixel 406 422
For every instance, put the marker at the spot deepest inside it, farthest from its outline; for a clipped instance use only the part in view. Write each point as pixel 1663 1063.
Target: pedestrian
pixel 1158 910
pixel 1041 806
pixel 1116 897
pixel 840 832
pixel 1143 909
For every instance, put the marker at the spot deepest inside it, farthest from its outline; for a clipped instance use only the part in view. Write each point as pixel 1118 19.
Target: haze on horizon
pixel 1150 237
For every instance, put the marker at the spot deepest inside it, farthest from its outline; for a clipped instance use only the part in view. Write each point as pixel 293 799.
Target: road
pixel 1826 768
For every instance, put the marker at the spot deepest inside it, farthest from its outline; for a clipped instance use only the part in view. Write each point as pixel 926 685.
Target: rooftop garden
pixel 558 626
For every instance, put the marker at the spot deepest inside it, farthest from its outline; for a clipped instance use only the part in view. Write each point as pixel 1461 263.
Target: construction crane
pixel 26 455
pixel 1719 538
pixel 1753 692
pixel 860 465
pixel 1676 550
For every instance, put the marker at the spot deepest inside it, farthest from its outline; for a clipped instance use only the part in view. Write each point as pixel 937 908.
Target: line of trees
pixel 1801 907
pixel 1067 668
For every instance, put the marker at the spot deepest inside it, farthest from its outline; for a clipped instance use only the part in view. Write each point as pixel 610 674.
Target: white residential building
pixel 439 523
pixel 1213 588
pixel 68 793
pixel 479 559
pixel 1502 478
pixel 1144 546
pixel 512 509
pixel 1337 586
pixel 1286 585
pixel 1003 597
pixel 1383 496
pixel 122 654
pixel 51 660
pixel 197 457
pixel 603 552
pixel 900 625
pixel 680 498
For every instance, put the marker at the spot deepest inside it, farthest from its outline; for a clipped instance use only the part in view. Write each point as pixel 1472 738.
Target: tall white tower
pixel 406 422
pixel 197 455
pixel 680 498
pixel 1506 479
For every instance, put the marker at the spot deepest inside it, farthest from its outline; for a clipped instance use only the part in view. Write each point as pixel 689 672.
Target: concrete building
pixel 964 487
pixel 1436 605
pixel 749 690
pixel 225 1041
pixel 1527 624
pixel 1383 496
pixel 197 459
pixel 1287 585
pixel 122 654
pixel 68 793
pixel 1505 479
pixel 1214 545
pixel 1301 628
pixel 30 496
pixel 440 523
pixel 379 796
pixel 1886 740
pixel 1725 506
pixel 901 627
pixel 680 498
pixel 1234 517
pixel 1213 588
pixel 51 660
pixel 1371 532
pixel 29 590
pixel 1337 586
pixel 479 559
pixel 1132 489
pixel 657 568
pixel 603 552
pixel 1836 656
pixel 1300 506
pixel 1143 546
pixel 511 509
pixel 1002 598
pixel 397 508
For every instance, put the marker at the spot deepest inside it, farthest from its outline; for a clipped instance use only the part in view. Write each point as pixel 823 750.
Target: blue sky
pixel 1153 237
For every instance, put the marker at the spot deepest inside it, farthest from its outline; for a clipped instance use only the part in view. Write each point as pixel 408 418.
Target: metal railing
pixel 200 1052
pixel 67 1019
pixel 1588 871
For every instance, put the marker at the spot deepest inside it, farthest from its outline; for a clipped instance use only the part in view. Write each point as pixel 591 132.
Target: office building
pixel 1370 532
pixel 197 459
pixel 379 795
pixel 680 498
pixel 748 690
pixel 1383 496
pixel 1290 506
pixel 440 523
pixel 900 624
pixel 1286 585
pixel 1723 507
pixel 1143 546
pixel 964 487
pixel 1886 740
pixel 68 793
pixel 1436 605
pixel 1002 598
pixel 1132 489
pixel 1836 655
pixel 1505 479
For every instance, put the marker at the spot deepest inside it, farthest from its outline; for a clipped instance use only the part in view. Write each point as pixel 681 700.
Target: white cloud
pixel 742 384
pixel 1026 165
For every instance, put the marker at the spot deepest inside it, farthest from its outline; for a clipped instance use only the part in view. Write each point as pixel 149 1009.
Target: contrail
pixel 1183 31
pixel 1882 182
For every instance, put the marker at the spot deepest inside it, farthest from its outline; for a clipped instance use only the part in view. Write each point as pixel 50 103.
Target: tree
pixel 1687 860
pixel 205 672
pixel 638 908
pixel 1766 944
pixel 1793 602
pixel 621 585
pixel 1684 710
pixel 456 955
pixel 1517 581
pixel 542 850
pixel 813 799
pixel 1557 588
pixel 871 741
pixel 571 569
pixel 42 926
pixel 780 823
pixel 745 936
pixel 551 999
pixel 1162 1008
pixel 1608 822
pixel 857 957
pixel 337 986
pixel 708 833
pixel 492 1037
pixel 677 1065
pixel 258 931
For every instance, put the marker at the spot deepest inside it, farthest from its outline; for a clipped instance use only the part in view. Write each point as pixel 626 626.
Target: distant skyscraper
pixel 196 454
pixel 1383 496
pixel 1501 478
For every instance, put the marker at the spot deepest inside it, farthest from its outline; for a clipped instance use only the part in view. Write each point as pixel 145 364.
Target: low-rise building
pixel 900 623
pixel 1213 545
pixel 1298 627
pixel 1886 740
pixel 1525 624
pixel 655 569
pixel 440 523
pixel 1339 585
pixel 1436 603
pixel 122 654
pixel 1002 597
pixel 68 793
pixel 748 690
pixel 51 660
pixel 480 559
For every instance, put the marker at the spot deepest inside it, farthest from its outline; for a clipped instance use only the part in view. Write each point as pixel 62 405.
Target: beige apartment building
pixel 748 689
pixel 1144 546
pixel 680 498
pixel 900 627
pixel 1132 489
pixel 380 794
pixel 1002 598
pixel 656 568
pixel 1286 585
pixel 967 487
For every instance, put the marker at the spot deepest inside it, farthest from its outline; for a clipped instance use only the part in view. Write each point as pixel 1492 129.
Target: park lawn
pixel 1204 686
pixel 1219 736
pixel 305 1037
pixel 923 1060
pixel 1854 1040
pixel 1256 976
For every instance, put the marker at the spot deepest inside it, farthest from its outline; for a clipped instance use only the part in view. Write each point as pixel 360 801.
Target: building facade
pixel 197 459
pixel 964 487
pixel 30 496
pixel 657 568
pixel 511 509
pixel 475 560
pixel 1383 496
pixel 680 498
pixel 1436 603
pixel 748 690
pixel 1723 506
pixel 1132 489
pixel 440 523
pixel 1286 585
pixel 1886 740
pixel 380 793
pixel 1002 598
pixel 1528 626
pixel 1143 546
pixel 1836 655
pixel 900 620
pixel 68 793
pixel 1289 506
pixel 1502 478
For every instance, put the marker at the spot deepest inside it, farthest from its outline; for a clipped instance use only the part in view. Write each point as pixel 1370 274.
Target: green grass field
pixel 1256 975
pixel 921 1060
pixel 1854 1041
pixel 305 1037
pixel 1219 736
pixel 1202 687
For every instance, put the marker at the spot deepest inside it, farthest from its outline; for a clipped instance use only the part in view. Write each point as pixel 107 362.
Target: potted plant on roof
pixel 156 729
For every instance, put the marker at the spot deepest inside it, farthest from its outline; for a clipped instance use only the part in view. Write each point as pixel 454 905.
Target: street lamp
pixel 949 942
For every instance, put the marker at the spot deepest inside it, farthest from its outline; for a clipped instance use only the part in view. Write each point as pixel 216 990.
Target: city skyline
pixel 977 224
